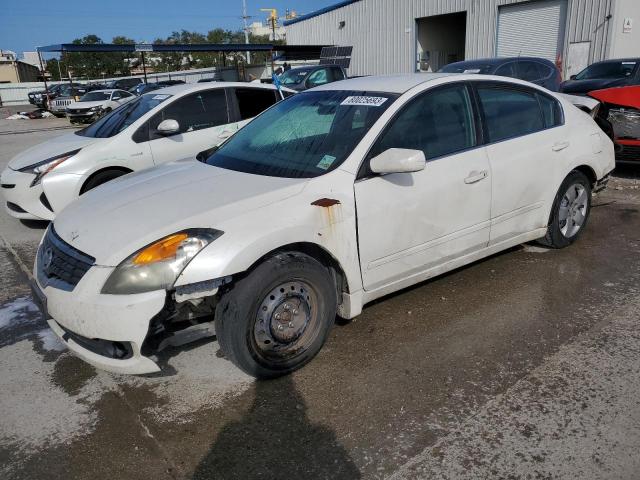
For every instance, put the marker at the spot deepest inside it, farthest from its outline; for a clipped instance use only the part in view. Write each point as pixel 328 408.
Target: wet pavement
pixel 523 365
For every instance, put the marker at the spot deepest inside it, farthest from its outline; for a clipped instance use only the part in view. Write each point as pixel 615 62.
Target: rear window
pixel 611 70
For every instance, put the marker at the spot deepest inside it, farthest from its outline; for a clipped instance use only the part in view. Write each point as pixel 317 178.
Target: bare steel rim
pixel 573 210
pixel 287 321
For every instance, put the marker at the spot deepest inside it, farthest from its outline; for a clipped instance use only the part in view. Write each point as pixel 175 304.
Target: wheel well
pixel 320 254
pixel 124 170
pixel 588 171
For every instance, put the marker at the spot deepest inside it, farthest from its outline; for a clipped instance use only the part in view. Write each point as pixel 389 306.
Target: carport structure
pixel 289 52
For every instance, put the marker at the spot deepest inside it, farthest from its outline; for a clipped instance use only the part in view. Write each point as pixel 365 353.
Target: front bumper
pixel 82 116
pixel 21 199
pixel 92 324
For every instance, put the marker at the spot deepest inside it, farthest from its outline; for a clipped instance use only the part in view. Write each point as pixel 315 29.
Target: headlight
pixel 95 109
pixel 42 168
pixel 157 266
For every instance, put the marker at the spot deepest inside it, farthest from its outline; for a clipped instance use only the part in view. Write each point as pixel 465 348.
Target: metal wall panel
pixel 382 32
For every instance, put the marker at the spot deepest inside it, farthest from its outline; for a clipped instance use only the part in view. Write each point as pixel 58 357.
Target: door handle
pixel 559 146
pixel 476 176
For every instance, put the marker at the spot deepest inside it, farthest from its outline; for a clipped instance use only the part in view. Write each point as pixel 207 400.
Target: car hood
pixel 584 86
pixel 86 104
pixel 115 220
pixel 51 148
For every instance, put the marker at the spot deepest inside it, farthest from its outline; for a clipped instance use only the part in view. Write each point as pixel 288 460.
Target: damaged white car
pixel 328 200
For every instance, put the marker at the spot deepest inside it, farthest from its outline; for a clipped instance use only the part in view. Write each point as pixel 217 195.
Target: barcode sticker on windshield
pixel 161 97
pixel 326 162
pixel 365 101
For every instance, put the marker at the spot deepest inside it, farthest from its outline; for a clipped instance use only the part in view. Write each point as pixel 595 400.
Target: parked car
pixel 331 199
pixel 532 69
pixel 302 78
pixel 124 83
pixel 39 97
pixel 95 104
pixel 148 87
pixel 620 107
pixel 67 94
pixel 606 74
pixel 157 127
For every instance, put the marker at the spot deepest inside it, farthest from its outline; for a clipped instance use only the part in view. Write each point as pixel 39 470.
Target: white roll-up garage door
pixel 532 29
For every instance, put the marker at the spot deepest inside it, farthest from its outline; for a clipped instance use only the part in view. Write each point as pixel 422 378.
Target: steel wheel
pixel 286 321
pixel 573 210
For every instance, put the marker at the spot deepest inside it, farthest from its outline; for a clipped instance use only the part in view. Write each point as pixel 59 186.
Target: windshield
pixel 294 76
pixel 467 67
pixel 611 70
pixel 116 121
pixel 95 96
pixel 303 136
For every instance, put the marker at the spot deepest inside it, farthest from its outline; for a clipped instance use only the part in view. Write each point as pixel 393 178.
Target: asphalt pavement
pixel 523 365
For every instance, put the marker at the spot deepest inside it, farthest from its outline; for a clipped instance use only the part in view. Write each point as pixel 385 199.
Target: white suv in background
pixel 94 104
pixel 167 124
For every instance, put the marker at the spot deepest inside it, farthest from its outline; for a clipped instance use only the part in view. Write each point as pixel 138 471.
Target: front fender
pixel 231 254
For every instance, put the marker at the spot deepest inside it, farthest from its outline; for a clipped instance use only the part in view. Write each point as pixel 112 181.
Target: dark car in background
pixel 302 78
pixel 123 83
pixel 532 69
pixel 609 73
pixel 143 88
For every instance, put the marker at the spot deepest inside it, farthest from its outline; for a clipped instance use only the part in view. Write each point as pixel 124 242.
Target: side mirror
pixel 572 77
pixel 168 127
pixel 398 160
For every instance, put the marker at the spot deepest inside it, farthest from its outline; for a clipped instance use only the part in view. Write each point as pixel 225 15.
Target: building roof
pixel 319 12
pixel 384 83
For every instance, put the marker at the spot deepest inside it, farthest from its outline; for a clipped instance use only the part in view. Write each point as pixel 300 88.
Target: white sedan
pixel 325 202
pixel 167 124
pixel 94 104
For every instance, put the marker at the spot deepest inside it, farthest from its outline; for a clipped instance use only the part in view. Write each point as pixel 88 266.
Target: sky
pixel 25 24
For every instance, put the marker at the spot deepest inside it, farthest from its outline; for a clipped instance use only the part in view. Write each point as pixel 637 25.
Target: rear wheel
pixel 277 318
pixel 570 211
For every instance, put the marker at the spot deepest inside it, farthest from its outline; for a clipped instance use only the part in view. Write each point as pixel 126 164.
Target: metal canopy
pixel 293 51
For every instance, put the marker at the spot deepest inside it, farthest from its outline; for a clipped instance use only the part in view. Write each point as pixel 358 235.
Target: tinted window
pixel 506 70
pixel 303 136
pixel 551 111
pixel 338 74
pixel 509 113
pixel 116 121
pixel 95 96
pixel 438 122
pixel 199 110
pixel 619 69
pixel 529 71
pixel 252 101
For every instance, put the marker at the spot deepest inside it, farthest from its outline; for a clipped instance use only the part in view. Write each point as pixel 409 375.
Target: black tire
pixel 100 178
pixel 559 235
pixel 250 316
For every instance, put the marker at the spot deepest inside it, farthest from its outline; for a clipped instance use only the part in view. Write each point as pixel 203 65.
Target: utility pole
pixel 246 28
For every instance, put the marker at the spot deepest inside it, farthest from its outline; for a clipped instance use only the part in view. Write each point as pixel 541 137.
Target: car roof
pixel 106 90
pixel 384 83
pixel 194 87
pixel 498 61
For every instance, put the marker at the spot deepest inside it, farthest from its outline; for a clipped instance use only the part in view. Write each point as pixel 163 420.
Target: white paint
pixel 411 226
pixel 20 311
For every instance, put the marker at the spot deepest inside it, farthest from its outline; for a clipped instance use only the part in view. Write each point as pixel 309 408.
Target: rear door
pixel 526 141
pixel 203 117
pixel 411 222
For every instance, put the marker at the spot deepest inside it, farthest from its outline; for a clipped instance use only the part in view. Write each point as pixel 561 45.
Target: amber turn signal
pixel 162 250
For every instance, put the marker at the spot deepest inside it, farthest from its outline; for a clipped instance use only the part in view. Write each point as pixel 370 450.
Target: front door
pixel 411 222
pixel 204 122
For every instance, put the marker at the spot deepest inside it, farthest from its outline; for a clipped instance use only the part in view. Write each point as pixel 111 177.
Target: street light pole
pixel 246 29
